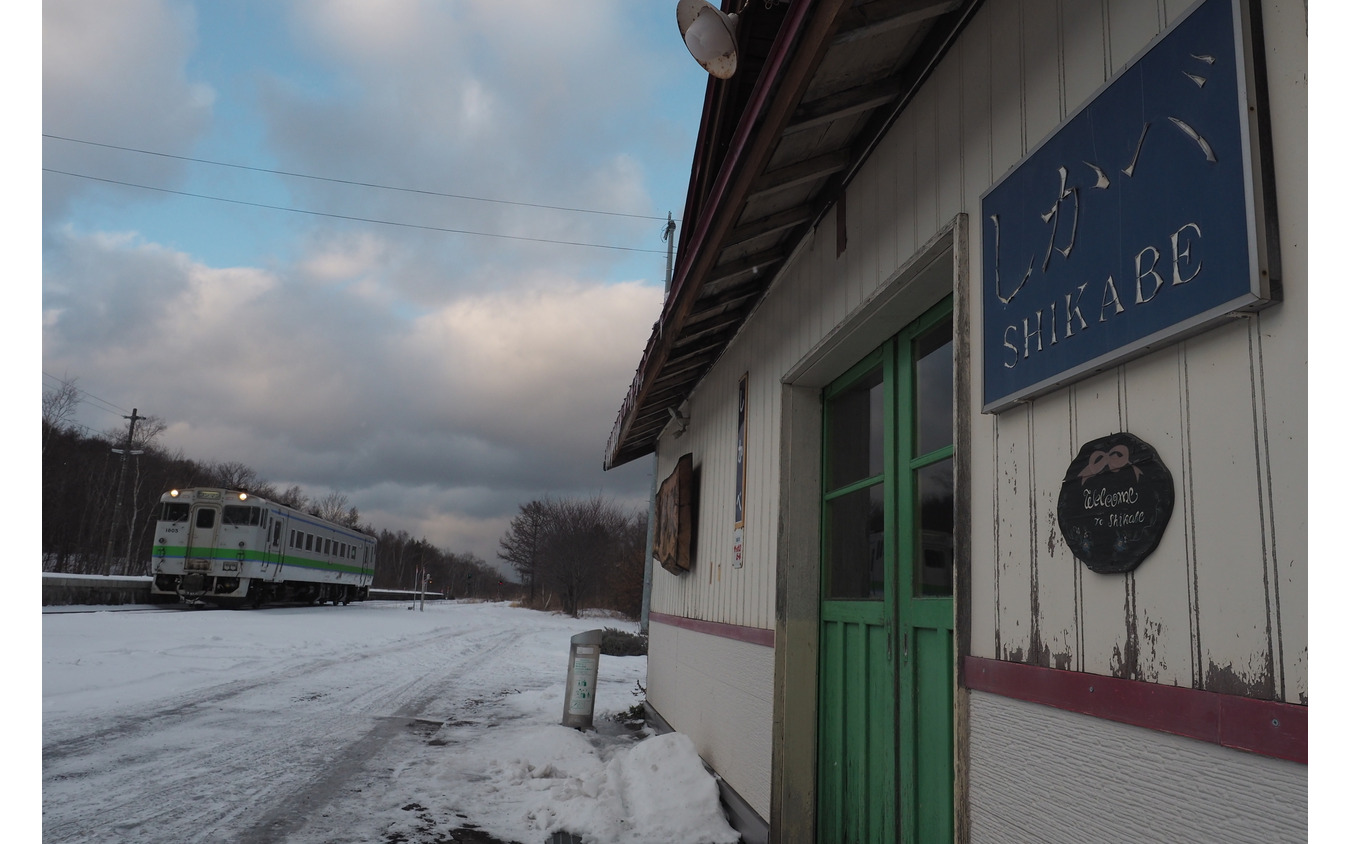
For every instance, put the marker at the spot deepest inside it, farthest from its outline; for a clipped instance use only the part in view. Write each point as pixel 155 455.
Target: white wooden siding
pixel 1221 604
pixel 720 693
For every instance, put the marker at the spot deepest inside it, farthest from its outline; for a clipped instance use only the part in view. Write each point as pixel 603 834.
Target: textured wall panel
pixel 1044 775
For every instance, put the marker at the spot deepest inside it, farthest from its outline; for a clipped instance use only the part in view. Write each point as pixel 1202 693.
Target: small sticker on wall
pixel 738 548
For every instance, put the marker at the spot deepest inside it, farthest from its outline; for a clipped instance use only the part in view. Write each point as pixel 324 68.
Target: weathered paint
pixel 1220 605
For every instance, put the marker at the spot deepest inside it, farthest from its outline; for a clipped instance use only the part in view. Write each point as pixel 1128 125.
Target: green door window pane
pixel 933 388
pixel 856 441
pixel 936 517
pixel 857 547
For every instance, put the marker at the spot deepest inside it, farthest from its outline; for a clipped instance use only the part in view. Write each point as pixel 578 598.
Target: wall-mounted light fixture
pixel 710 35
pixel 680 421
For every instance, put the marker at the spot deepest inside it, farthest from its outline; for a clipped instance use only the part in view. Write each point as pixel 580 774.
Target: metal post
pixel 117 502
pixel 651 547
pixel 668 235
pixel 583 670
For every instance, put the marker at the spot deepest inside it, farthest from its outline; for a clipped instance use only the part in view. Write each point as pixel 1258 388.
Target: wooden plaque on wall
pixel 1115 502
pixel 674 534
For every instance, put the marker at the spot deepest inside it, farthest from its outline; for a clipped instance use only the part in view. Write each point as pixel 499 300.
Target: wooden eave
pixel 818 84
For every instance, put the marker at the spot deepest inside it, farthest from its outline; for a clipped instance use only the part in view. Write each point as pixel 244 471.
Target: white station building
pixel 979 406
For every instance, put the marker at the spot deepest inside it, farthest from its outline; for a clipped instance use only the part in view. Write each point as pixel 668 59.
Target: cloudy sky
pixel 407 250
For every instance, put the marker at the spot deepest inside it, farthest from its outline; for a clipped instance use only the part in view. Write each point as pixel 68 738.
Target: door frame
pixel 939 268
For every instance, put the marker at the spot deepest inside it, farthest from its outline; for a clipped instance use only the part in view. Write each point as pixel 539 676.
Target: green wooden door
pixel 886 661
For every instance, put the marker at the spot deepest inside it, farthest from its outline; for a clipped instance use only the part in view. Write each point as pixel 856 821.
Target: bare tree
pixel 572 548
pixel 135 444
pixel 234 475
pixel 146 432
pixel 623 586
pixel 335 507
pixel 135 524
pixel 293 496
pixel 58 406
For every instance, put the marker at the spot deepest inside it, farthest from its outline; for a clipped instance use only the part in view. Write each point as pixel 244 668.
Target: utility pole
pixel 669 237
pixel 117 501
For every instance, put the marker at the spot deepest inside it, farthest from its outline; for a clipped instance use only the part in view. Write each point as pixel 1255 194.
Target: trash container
pixel 583 667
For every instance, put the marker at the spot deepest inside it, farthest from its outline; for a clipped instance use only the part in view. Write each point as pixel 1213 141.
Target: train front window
pixel 238 515
pixel 174 511
pixel 206 518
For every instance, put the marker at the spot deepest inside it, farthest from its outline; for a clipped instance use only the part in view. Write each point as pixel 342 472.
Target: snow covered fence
pixel 68 589
pixel 60 589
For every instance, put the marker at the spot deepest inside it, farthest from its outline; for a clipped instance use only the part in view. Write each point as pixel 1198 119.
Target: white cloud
pixel 509 391
pixel 348 257
pixel 564 351
pixel 438 378
pixel 115 72
pixel 529 102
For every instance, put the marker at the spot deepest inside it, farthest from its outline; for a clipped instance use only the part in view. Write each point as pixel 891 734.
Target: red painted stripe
pixel 1270 728
pixel 753 635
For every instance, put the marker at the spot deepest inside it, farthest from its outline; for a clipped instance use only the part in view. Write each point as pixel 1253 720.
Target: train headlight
pixel 173 493
pixel 243 496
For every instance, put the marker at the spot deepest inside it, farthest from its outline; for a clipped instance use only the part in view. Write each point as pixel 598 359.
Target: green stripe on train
pixel 253 556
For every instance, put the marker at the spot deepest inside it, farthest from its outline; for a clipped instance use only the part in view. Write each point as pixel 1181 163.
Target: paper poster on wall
pixel 738 535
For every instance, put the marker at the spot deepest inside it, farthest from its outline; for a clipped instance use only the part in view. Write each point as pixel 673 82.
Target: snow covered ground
pixel 368 723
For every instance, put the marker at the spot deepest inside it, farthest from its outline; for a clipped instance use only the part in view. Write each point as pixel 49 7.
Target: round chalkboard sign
pixel 1115 502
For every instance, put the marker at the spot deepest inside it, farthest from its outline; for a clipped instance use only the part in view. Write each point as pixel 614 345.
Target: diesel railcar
pixel 234 549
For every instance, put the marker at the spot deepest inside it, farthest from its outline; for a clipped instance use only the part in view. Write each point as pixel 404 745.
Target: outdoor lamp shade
pixel 710 35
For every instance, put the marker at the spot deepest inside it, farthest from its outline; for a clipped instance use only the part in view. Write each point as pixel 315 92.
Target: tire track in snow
pixel 251 766
pixel 285 821
pixel 119 727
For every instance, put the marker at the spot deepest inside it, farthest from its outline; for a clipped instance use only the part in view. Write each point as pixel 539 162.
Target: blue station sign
pixel 1139 221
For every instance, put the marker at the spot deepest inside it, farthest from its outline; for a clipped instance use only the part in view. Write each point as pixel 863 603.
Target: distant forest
pixel 583 553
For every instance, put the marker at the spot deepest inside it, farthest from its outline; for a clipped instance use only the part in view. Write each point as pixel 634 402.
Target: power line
pixel 350 181
pixel 109 407
pixel 351 218
pixel 88 398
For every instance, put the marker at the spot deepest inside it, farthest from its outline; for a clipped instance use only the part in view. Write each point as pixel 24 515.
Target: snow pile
pixel 665 785
pixel 546 779
pixel 351 725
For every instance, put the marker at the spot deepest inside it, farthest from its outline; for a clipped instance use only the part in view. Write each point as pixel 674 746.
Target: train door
pixel 201 539
pixel 268 558
pixel 277 541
